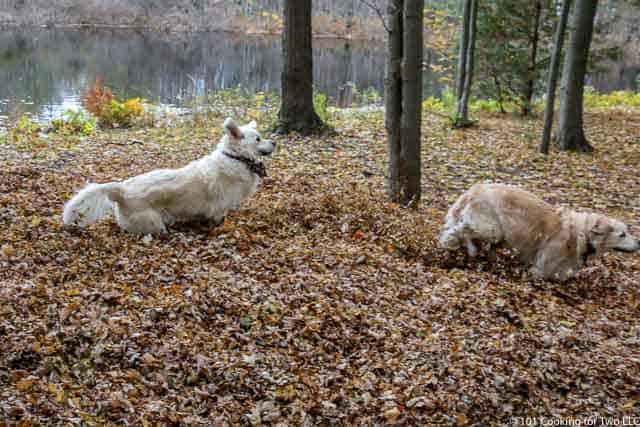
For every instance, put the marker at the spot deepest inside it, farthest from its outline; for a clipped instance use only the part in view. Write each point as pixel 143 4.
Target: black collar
pixel 590 250
pixel 253 165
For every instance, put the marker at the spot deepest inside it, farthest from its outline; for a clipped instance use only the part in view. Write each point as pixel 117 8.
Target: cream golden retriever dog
pixel 554 241
pixel 202 190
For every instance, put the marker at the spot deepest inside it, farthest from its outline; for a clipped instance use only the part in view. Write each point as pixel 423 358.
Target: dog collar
pixel 254 166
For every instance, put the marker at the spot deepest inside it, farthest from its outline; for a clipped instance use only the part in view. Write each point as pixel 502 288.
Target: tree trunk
pixel 404 99
pixel 499 98
pixel 531 78
pixel 553 76
pixel 463 48
pixel 570 134
pixel 465 76
pixel 393 99
pixel 296 109
pixel 412 97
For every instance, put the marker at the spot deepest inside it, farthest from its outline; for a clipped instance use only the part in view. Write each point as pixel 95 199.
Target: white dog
pixel 554 241
pixel 202 190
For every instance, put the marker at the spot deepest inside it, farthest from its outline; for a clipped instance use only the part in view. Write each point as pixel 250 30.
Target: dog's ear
pixel 252 125
pixel 232 129
pixel 601 226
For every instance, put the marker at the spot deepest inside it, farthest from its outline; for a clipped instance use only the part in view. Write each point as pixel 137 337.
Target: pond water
pixel 43 72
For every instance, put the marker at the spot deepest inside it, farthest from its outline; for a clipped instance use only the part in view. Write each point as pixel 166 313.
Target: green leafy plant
pixel 490 105
pixel 620 98
pixel 74 123
pixel 433 104
pixel 24 130
pixel 443 105
pixel 448 99
pixel 26 126
pixel 320 105
pixel 121 114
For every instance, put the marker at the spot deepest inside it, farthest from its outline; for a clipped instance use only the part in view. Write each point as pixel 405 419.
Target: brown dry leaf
pixel 25 384
pixel 461 420
pixel 318 301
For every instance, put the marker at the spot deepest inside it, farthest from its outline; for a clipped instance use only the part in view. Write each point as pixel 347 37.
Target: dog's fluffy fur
pixel 554 241
pixel 202 190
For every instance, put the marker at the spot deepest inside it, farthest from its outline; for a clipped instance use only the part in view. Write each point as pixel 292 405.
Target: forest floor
pixel 318 301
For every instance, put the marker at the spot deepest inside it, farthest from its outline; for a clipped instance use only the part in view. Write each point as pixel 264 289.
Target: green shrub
pixel 433 104
pixel 74 123
pixel 486 105
pixel 99 101
pixel 448 99
pixel 27 127
pixel 320 105
pixel 620 98
pixel 121 114
pixel 24 131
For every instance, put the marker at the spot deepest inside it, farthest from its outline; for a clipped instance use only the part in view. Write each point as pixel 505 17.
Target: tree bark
pixel 570 134
pixel 412 98
pixel 468 78
pixel 393 99
pixel 553 76
pixel 296 109
pixel 531 78
pixel 462 115
pixel 463 48
pixel 404 99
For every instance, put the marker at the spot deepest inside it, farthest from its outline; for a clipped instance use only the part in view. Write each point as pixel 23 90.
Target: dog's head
pixel 246 140
pixel 608 233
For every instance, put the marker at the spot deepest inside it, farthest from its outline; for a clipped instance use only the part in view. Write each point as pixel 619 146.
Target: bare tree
pixel 570 133
pixel 553 76
pixel 533 56
pixel 465 63
pixel 296 109
pixel 403 85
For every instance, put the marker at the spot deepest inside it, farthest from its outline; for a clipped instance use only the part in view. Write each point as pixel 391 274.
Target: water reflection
pixel 44 72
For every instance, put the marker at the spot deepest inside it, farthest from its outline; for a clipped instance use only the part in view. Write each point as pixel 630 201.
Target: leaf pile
pixel 318 301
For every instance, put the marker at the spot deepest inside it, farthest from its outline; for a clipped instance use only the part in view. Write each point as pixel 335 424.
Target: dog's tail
pixel 92 203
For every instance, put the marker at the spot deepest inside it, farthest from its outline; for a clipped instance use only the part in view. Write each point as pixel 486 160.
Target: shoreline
pixel 180 30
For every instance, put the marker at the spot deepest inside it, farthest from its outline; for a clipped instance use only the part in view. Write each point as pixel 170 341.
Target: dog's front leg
pixel 472 250
pixel 492 252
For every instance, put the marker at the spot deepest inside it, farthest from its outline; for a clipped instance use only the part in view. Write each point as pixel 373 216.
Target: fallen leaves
pixel 317 301
pixel 7 251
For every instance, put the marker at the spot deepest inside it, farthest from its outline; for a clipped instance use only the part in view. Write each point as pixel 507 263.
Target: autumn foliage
pixel 317 302
pixel 100 101
pixel 97 98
